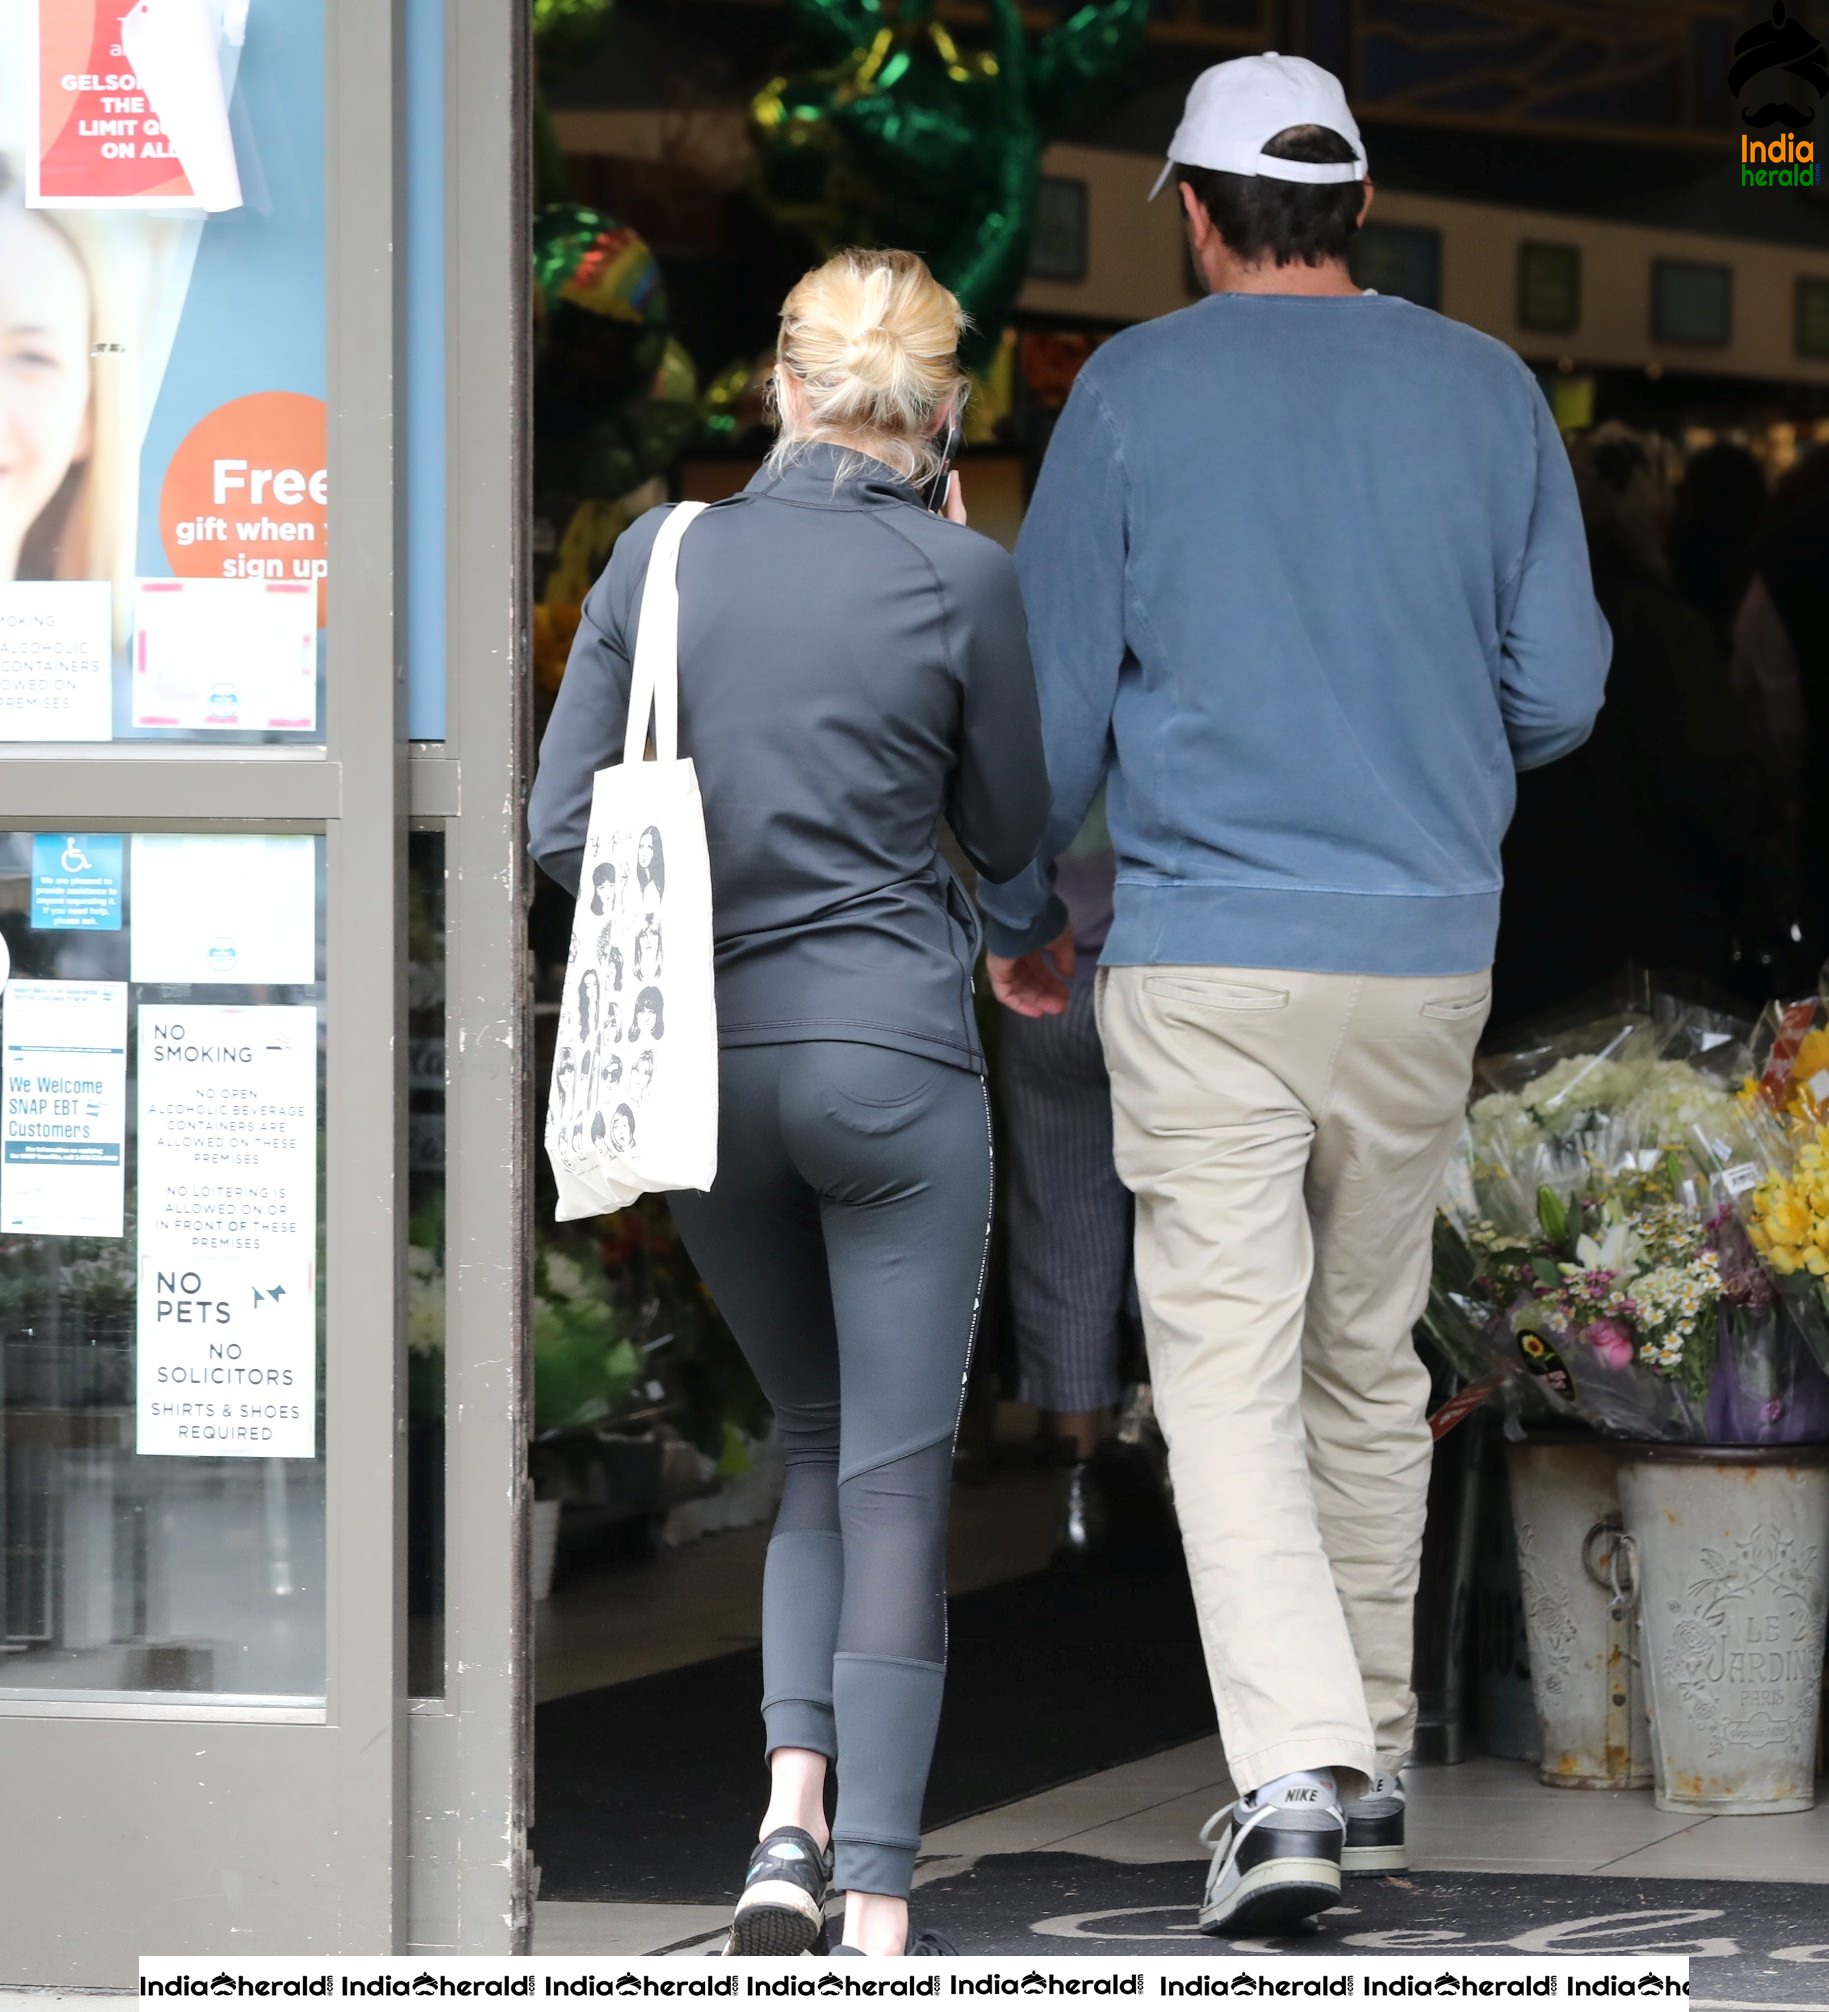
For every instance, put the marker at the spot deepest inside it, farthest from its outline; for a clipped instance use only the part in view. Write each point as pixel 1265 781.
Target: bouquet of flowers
pixel 1590 1240
pixel 1785 1192
pixel 1788 1216
pixel 584 1362
pixel 1609 1301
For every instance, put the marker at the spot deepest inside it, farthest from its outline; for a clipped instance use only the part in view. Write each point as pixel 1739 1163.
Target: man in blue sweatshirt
pixel 1307 585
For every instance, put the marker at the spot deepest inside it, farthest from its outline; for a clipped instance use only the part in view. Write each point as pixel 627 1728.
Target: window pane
pixel 161 1266
pixel 162 525
pixel 425 1260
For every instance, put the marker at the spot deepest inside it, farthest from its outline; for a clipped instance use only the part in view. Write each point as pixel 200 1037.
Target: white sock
pixel 1315 1788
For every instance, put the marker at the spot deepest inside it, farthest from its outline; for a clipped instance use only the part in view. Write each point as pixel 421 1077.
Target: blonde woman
pixel 853 670
pixel 65 454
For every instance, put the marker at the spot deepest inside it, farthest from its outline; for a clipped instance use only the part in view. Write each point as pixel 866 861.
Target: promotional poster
pixel 162 525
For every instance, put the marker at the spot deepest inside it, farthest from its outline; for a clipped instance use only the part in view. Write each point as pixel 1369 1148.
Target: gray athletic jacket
pixel 853 669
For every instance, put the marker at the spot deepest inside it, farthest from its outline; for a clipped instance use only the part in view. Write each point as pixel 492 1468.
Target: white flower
pixel 1563 1096
pixel 564 1276
pixel 425 1306
pixel 1617 1252
pixel 1675 1100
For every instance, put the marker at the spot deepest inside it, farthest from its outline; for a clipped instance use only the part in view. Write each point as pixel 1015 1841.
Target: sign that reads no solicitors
pixel 228 1231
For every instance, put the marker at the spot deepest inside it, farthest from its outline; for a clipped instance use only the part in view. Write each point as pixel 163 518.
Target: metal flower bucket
pixel 1729 1553
pixel 1585 1679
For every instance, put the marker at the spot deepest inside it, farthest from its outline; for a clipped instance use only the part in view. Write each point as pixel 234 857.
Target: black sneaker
pixel 921 1942
pixel 782 1908
pixel 1375 1830
pixel 1275 1864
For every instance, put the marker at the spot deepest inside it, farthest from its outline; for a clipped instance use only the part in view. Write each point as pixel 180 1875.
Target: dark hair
pixel 613 957
pixel 654 874
pixel 596 1127
pixel 1288 223
pixel 605 872
pixel 651 1000
pixel 628 1117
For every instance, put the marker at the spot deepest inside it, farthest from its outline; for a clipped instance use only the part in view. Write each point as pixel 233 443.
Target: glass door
pixel 203 815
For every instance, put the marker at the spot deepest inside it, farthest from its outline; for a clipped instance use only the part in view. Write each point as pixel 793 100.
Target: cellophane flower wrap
pixel 1591 1236
pixel 1785 1102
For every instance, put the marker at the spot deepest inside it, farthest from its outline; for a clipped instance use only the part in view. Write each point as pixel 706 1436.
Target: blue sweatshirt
pixel 1306 579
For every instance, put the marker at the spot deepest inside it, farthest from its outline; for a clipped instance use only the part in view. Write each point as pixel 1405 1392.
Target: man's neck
pixel 1329 280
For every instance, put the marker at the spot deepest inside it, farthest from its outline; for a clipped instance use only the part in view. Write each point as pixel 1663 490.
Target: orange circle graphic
pixel 245 496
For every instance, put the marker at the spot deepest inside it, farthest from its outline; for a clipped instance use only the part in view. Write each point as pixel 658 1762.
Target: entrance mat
pixel 1752 1942
pixel 651 1790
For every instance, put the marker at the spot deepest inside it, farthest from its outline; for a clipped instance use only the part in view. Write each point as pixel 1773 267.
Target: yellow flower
pixel 1812 1055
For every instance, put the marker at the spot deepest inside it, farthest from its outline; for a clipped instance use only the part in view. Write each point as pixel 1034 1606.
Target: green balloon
pixel 615 396
pixel 566 32
pixel 901 137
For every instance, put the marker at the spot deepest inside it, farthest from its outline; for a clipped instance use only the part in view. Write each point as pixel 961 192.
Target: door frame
pixel 471 1749
pixel 187 1826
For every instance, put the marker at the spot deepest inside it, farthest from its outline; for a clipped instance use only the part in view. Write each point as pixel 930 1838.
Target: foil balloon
pixel 565 32
pixel 735 401
pixel 600 318
pixel 590 260
pixel 615 397
pixel 669 416
pixel 895 134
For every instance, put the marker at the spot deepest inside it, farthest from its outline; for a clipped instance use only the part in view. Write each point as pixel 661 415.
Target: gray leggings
pixel 844 1241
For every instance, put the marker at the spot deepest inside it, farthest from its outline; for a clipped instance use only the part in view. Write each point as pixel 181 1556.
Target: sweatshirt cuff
pixel 1537 747
pixel 1003 939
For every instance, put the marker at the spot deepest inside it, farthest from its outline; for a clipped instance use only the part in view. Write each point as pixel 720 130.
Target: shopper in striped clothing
pixel 1069 1215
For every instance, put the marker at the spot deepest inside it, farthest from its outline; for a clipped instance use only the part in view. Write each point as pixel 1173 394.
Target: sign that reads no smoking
pixel 228 1231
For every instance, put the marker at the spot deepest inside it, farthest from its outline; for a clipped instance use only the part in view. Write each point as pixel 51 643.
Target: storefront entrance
pixel 254 817
pixel 282 1306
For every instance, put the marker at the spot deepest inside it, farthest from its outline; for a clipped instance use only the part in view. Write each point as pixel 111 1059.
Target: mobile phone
pixel 935 493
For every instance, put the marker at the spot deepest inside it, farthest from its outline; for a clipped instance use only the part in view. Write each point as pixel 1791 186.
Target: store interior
pixel 692 159
pixel 1619 1645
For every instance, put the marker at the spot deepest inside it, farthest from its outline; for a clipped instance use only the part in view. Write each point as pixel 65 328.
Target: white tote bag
pixel 634 1103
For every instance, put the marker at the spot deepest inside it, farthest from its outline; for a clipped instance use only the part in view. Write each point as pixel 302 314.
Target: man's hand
pixel 1034 985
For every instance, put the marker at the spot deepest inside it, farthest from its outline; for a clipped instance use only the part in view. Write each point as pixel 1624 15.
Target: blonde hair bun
pixel 871 342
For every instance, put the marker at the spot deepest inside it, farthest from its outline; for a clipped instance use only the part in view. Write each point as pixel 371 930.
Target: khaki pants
pixel 1285 1134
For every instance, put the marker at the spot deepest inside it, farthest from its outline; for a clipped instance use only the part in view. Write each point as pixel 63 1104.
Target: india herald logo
pixel 1780 73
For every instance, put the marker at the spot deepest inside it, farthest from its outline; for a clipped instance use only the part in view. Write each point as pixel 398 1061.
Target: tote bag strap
pixel 654 687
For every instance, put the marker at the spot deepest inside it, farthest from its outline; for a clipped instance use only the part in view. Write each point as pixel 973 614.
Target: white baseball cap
pixel 1236 109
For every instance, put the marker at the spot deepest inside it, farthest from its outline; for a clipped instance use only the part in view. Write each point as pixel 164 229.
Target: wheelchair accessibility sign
pixel 76 880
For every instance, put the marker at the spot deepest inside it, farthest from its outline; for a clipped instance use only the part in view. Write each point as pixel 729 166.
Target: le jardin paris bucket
pixel 1585 1680
pixel 1729 1555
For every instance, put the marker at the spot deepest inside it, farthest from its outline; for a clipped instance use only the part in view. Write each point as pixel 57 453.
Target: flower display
pixel 1591 1246
pixel 1789 1215
pixel 1785 1102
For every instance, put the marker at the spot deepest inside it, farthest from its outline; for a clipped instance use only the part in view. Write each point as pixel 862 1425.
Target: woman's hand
pixel 1034 985
pixel 954 512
